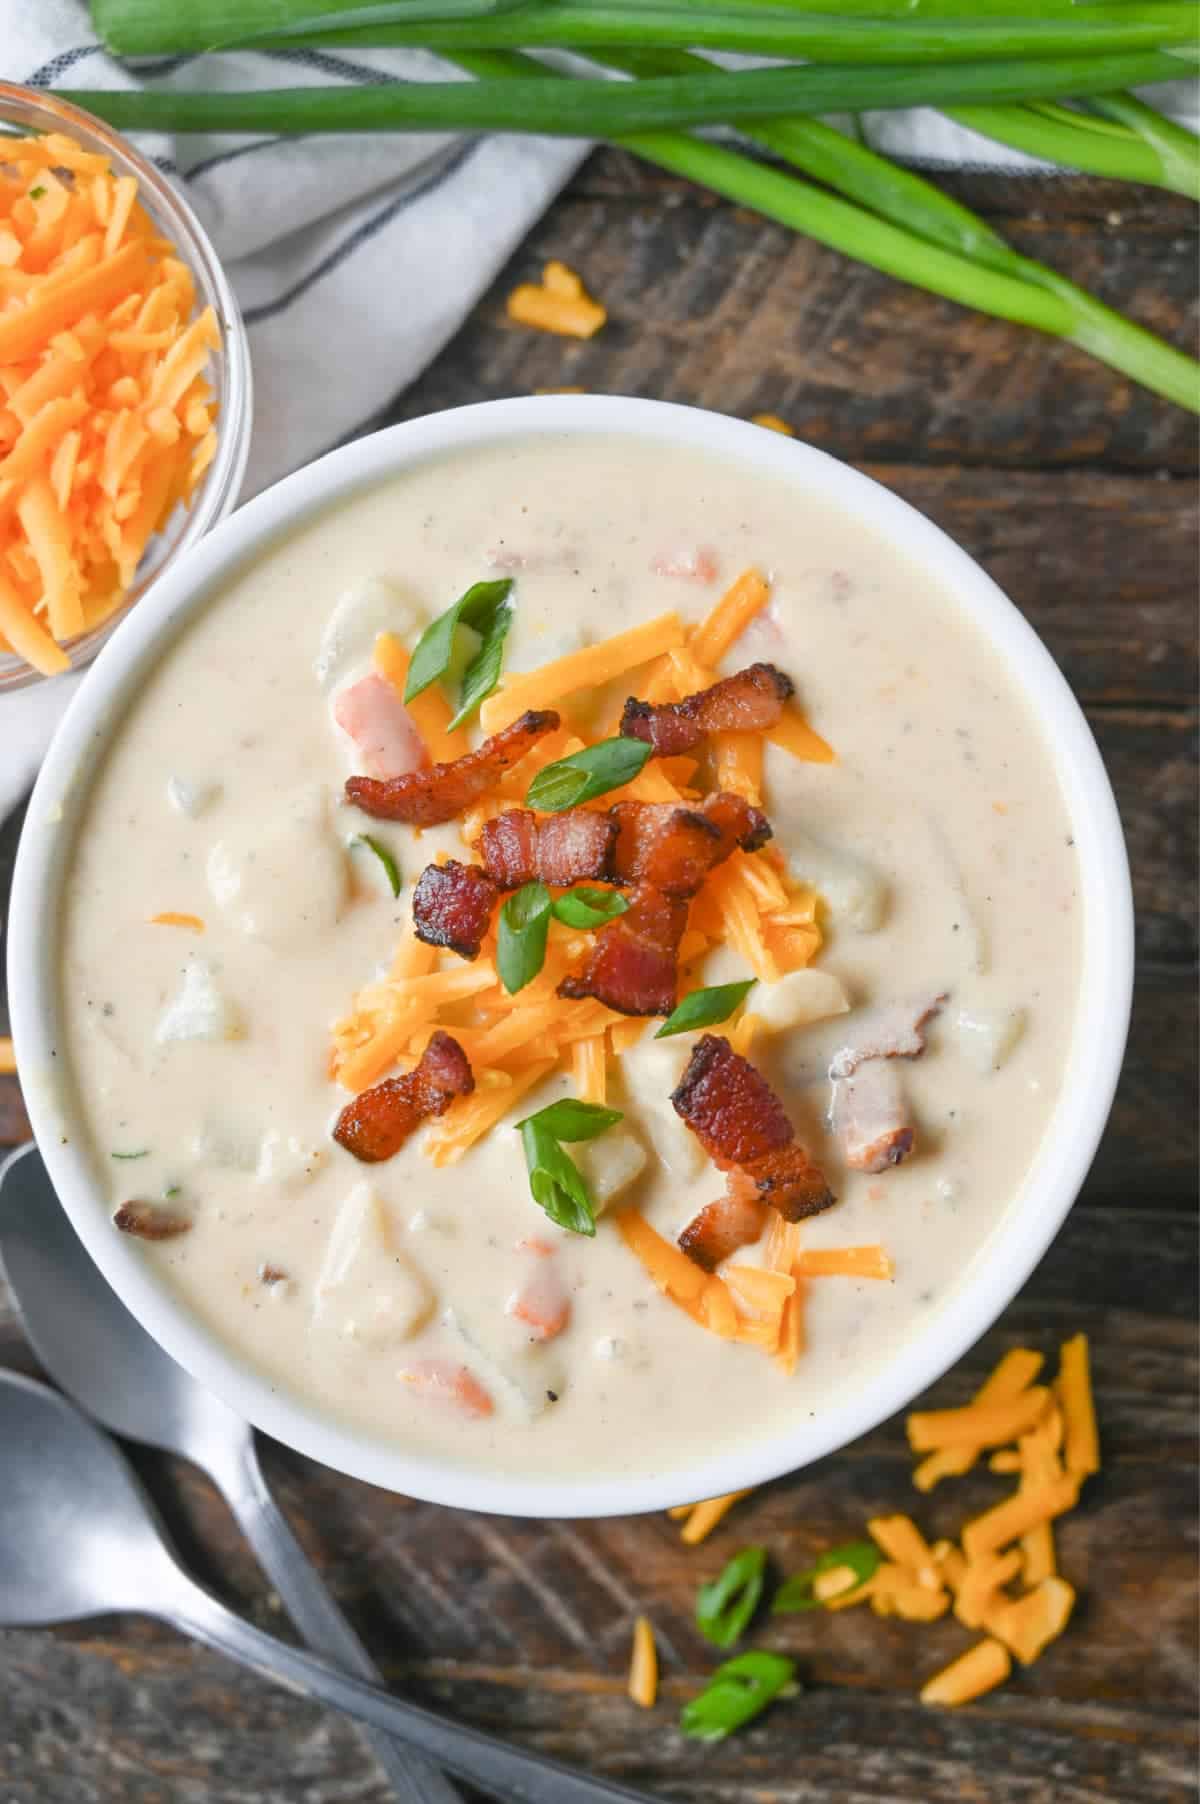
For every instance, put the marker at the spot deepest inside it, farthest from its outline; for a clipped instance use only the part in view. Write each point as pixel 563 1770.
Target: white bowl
pixel 1021 1235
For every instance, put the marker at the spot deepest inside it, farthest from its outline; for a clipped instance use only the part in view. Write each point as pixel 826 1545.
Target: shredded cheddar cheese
pixel 643 1665
pixel 106 420
pixel 8 1057
pixel 170 918
pixel 773 423
pixel 560 303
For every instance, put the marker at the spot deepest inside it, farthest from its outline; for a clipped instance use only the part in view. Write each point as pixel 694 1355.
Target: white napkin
pixel 354 259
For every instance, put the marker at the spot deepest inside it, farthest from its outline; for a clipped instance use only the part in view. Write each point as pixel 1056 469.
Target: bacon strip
pixel 891 1031
pixel 742 1126
pixel 675 848
pixel 632 966
pixel 561 849
pixel 869 1118
pixel 426 798
pixel 721 1228
pixel 149 1221
pixel 376 1124
pixel 452 906
pixel 748 702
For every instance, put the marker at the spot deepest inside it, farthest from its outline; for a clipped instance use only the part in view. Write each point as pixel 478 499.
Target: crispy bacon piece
pixel 721 1227
pixel 149 1221
pixel 561 849
pixel 452 906
pixel 675 848
pixel 376 1124
pixel 748 702
pixel 869 1117
pixel 894 1030
pixel 632 966
pixel 426 798
pixel 742 1126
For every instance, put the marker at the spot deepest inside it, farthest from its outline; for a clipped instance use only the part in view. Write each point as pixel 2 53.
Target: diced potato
pixel 359 616
pixel 283 880
pixel 855 892
pixel 986 1036
pixel 651 1070
pixel 368 1290
pixel 798 999
pixel 610 1163
pixel 200 1011
pixel 286 1162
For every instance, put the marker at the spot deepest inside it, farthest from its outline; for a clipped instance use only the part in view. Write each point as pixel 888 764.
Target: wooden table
pixel 1076 491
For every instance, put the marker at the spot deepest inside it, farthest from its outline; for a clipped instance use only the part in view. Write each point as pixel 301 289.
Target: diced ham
pixel 675 848
pixel 426 798
pixel 386 742
pixel 722 1226
pixel 699 565
pixel 150 1221
pixel 869 1117
pixel 541 1301
pixel 744 1129
pixel 748 702
pixel 560 849
pixel 894 1030
pixel 376 1124
pixel 452 906
pixel 633 964
pixel 445 1381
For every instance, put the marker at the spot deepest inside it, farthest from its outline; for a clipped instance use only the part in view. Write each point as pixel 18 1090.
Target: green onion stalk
pixel 895 221
pixel 587 108
pixel 1129 140
pixel 131 27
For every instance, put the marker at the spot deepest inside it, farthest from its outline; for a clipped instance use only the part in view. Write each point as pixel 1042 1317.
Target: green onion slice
pixel 587 907
pixel 737 1692
pixel 485 609
pixel 795 1594
pixel 558 1185
pixel 521 936
pixel 571 1120
pixel 704 1008
pixel 724 1607
pixel 142 1153
pixel 390 868
pixel 581 776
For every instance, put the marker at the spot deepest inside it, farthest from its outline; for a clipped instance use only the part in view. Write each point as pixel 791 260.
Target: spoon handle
pixel 321 1623
pixel 509 1773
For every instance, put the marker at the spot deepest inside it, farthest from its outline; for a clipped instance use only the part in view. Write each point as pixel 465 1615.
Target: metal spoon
pixel 101 1356
pixel 78 1538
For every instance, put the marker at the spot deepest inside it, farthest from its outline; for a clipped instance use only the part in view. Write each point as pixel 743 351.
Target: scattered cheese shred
pixel 8 1057
pixel 560 303
pixel 773 423
pixel 979 1424
pixel 171 918
pixel 979 1670
pixel 109 422
pixel 643 1665
pixel 845 1262
pixel 1075 1397
pixel 704 1517
pixel 739 605
pixel 1017 1369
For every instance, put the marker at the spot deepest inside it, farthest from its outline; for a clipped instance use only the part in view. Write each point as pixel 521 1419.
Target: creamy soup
pixel 937 842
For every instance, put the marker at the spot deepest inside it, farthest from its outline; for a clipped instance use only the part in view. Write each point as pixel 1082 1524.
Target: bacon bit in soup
pixel 560 304
pixel 542 1301
pixel 633 965
pixel 445 1382
pixel 150 1221
pixel 384 734
pixel 108 421
pixel 869 1118
pixel 172 918
pixel 721 1228
pixel 893 1031
pixel 560 849
pixel 643 1665
pixel 674 849
pixel 750 702
pixel 376 1124
pixel 452 906
pixel 426 798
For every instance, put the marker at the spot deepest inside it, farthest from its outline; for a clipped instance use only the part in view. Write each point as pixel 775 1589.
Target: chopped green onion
pixel 37 193
pixel 390 867
pixel 704 1008
pixel 521 936
pixel 172 1190
pixel 143 1153
pixel 581 776
pixel 587 907
pixel 482 609
pixel 724 1607
pixel 483 672
pixel 737 1692
pixel 572 1120
pixel 557 1184
pixel 796 1594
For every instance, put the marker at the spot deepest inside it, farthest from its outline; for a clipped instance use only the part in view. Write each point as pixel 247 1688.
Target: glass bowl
pixel 22 111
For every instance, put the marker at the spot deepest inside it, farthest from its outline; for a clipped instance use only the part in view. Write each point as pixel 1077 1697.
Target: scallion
pixel 704 1008
pixel 391 869
pixel 725 1606
pixel 555 1181
pixel 521 936
pixel 142 1153
pixel 738 1691
pixel 582 776
pixel 796 1594
pixel 485 610
pixel 586 907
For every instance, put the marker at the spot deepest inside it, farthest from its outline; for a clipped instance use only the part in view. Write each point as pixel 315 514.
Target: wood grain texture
pixel 1075 492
